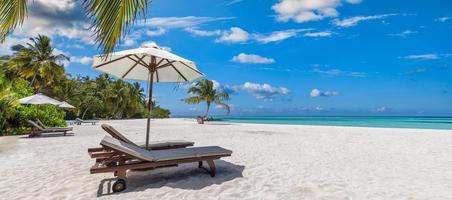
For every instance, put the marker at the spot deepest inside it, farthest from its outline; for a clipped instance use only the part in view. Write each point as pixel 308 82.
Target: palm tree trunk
pixel 207 111
pixel 33 79
pixel 84 112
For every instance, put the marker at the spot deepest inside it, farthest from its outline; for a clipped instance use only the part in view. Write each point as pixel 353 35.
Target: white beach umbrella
pixel 65 104
pixel 39 99
pixel 148 63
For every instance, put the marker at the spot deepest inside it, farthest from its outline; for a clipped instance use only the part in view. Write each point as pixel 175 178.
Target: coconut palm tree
pixel 204 91
pixel 111 20
pixel 38 63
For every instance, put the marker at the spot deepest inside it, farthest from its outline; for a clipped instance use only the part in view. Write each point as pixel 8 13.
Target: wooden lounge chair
pixel 44 126
pixel 154 145
pixel 37 130
pixel 80 121
pixel 120 157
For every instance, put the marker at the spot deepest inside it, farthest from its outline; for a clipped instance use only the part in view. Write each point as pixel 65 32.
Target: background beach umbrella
pixel 65 104
pixel 148 63
pixel 39 99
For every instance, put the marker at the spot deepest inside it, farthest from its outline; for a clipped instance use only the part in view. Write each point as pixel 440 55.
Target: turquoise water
pixel 386 122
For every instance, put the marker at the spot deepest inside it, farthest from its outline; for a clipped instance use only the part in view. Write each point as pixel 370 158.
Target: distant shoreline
pixel 413 122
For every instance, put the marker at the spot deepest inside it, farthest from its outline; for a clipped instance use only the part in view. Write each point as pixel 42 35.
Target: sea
pixel 359 121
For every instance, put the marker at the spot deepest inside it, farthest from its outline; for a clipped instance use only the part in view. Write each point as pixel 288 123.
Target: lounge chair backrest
pixel 78 119
pixel 40 123
pixel 116 134
pixel 126 148
pixel 35 125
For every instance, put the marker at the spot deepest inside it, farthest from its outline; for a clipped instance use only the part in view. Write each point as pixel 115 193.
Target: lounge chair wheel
pixel 119 185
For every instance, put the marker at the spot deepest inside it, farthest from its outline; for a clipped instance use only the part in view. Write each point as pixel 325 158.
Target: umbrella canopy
pixel 148 63
pixel 39 99
pixel 137 64
pixel 65 104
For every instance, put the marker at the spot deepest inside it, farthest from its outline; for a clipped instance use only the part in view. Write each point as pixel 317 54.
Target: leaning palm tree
pixel 204 91
pixel 38 63
pixel 111 20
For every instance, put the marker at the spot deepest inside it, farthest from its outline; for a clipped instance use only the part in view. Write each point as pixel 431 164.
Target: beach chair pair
pixel 81 121
pixel 38 128
pixel 118 155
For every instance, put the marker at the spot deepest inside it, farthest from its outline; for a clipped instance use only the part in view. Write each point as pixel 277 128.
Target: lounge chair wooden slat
pixel 153 145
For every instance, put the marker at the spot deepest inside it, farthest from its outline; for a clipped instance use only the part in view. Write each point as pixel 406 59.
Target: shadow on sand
pixel 186 176
pixel 45 135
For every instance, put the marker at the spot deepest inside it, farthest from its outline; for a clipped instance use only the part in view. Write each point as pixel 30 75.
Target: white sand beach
pixel 268 162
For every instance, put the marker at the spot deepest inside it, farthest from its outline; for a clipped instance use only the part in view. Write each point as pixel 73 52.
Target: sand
pixel 269 162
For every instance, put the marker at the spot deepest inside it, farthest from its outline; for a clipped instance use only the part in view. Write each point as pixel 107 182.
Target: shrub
pixel 158 112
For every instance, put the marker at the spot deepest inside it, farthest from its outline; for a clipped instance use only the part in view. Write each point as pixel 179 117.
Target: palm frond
pixel 223 96
pixel 224 105
pixel 111 20
pixel 193 100
pixel 12 14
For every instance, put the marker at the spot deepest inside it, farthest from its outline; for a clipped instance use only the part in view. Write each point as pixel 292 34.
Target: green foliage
pixel 113 19
pixel 12 14
pixel 14 116
pixel 158 112
pixel 38 63
pixel 103 97
pixel 50 115
pixel 203 91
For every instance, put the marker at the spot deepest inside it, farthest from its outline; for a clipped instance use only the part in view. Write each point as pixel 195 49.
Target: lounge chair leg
pixel 121 174
pixel 212 167
pixel 119 185
pixel 200 164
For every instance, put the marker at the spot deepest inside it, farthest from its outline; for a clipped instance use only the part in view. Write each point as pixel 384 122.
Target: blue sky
pixel 284 57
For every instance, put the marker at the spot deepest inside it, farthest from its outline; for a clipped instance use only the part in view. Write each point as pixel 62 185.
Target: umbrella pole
pixel 151 81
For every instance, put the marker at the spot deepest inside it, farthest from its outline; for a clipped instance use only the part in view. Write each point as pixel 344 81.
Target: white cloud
pixel 84 60
pixel 318 108
pixel 224 87
pixel 57 5
pixel 337 72
pixel 198 32
pixel 418 70
pixel 422 57
pixel 157 32
pixel 5 47
pixel 233 2
pixel 264 91
pixel 153 44
pixel 307 10
pixel 354 1
pixel 319 34
pixel 381 109
pixel 404 33
pixel 238 35
pixel 128 41
pixel 353 21
pixel 442 19
pixel 182 22
pixel 252 58
pixel 276 36
pixel 56 18
pixel 317 93
pixel 234 35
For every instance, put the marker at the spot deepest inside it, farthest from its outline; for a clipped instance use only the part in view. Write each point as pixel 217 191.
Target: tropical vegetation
pixel 204 91
pixel 37 68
